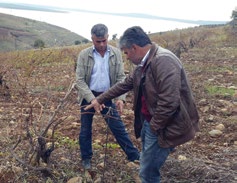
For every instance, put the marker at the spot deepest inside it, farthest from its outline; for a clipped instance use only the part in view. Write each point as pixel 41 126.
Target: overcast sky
pixel 213 10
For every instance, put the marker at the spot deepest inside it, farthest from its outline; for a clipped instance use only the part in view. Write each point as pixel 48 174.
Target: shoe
pixel 86 163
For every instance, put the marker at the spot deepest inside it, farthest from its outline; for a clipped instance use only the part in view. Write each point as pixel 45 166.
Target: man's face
pixel 100 43
pixel 132 55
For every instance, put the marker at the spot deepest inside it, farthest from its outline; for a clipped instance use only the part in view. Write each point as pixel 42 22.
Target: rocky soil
pixel 29 102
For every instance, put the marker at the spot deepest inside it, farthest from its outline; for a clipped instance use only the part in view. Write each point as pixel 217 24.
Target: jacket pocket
pixel 179 124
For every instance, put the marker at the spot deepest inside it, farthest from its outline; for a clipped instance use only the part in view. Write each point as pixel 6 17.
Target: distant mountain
pixel 18 33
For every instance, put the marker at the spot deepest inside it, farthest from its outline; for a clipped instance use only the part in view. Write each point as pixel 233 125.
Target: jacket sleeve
pixel 120 75
pixel 118 89
pixel 82 74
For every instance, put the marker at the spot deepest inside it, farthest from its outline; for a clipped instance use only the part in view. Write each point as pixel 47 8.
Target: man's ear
pixel 134 46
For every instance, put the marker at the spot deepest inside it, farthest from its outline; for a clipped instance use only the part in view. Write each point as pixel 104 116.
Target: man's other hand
pixel 120 105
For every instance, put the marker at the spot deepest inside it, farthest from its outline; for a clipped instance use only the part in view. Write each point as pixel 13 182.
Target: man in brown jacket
pixel 164 108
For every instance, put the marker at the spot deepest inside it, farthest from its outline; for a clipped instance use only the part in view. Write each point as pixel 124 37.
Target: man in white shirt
pixel 98 68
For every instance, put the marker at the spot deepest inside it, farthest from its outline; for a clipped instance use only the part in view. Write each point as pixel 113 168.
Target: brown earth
pixel 29 100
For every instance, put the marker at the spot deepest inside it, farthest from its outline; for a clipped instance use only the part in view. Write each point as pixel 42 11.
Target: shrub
pixel 77 42
pixel 39 43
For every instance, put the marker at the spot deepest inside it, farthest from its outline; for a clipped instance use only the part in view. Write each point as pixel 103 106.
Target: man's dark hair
pixel 134 35
pixel 99 30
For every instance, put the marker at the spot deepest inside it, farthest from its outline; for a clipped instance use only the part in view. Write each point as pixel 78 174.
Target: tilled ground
pixel 207 158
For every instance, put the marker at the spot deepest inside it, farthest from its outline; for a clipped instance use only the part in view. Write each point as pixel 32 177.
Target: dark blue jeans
pixel 116 126
pixel 152 156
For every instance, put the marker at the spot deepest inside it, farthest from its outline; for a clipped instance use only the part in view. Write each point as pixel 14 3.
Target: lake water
pixel 81 22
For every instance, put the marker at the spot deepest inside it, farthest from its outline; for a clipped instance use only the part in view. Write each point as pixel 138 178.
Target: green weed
pixel 108 145
pixel 217 90
pixel 66 141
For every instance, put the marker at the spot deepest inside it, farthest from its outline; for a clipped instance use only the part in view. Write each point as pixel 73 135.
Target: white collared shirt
pixel 144 59
pixel 100 81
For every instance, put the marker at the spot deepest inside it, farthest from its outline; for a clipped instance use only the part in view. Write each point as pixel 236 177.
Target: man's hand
pixel 97 106
pixel 119 105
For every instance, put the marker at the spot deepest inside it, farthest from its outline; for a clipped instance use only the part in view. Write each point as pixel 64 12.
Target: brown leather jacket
pixel 168 97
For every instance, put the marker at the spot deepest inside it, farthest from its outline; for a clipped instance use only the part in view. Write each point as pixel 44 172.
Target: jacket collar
pixel 143 62
pixel 92 49
pixel 152 52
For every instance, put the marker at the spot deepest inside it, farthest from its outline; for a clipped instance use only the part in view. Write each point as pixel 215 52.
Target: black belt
pixel 96 93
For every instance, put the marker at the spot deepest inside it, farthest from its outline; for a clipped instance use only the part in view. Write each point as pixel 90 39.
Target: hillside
pixel 37 101
pixel 18 33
